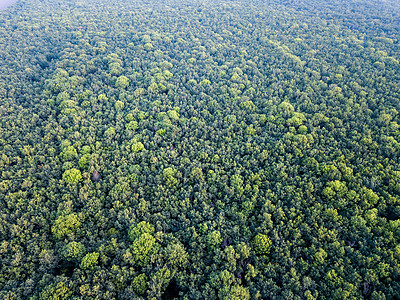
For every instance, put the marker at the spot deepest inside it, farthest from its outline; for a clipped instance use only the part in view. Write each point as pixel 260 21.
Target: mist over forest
pixel 6 3
pixel 200 149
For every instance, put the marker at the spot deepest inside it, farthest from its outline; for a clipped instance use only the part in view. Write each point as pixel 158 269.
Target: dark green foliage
pixel 190 150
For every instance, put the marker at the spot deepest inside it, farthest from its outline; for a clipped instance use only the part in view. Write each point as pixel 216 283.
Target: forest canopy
pixel 200 149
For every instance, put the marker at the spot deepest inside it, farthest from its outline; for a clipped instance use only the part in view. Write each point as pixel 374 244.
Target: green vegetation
pixel 73 175
pixel 89 261
pixel 200 150
pixel 262 244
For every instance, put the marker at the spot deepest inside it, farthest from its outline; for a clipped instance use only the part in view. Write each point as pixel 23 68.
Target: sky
pixel 5 3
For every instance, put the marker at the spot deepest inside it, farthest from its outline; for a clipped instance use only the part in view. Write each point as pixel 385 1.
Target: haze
pixel 6 3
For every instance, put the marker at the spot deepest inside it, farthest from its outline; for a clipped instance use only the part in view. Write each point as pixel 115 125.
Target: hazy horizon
pixel 6 3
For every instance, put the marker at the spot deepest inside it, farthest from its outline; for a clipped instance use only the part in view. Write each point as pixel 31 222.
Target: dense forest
pixel 177 149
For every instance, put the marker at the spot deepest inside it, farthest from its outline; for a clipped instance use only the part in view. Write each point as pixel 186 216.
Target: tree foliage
pixel 220 150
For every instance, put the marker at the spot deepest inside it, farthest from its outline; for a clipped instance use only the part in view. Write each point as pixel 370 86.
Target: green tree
pixel 176 256
pixel 139 283
pixel 136 230
pixel 169 175
pixel 122 82
pixel 66 225
pixel 90 261
pixel 143 248
pixel 69 153
pixel 137 146
pixel 262 244
pixel 84 161
pixel 119 105
pixel 132 125
pixel 74 251
pixel 72 176
pixel 214 238
pixel 56 291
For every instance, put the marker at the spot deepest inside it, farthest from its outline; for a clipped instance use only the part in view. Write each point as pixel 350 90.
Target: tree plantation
pixel 224 149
